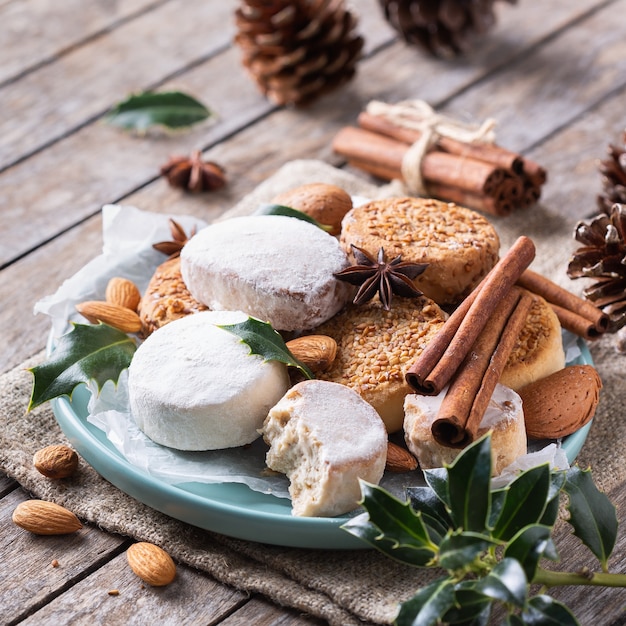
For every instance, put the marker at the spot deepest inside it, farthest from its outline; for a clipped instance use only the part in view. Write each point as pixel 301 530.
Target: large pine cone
pixel 297 50
pixel 444 28
pixel 613 171
pixel 603 258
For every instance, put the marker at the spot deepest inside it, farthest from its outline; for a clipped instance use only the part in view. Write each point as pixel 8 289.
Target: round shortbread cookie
pixel 459 245
pixel 504 417
pixel 538 351
pixel 195 386
pixel 375 348
pixel 325 437
pixel 276 268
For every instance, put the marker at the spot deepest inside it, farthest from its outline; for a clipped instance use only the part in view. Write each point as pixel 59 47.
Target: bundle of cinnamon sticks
pixel 471 350
pixel 481 176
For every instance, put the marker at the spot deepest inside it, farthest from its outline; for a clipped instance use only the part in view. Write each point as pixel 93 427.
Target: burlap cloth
pixel 341 587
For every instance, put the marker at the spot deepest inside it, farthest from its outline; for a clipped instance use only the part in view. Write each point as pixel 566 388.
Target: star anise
pixel 375 275
pixel 193 173
pixel 179 239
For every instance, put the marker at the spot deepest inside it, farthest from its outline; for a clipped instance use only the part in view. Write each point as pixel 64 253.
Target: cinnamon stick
pixel 470 391
pixel 357 144
pixel 441 358
pixel 576 314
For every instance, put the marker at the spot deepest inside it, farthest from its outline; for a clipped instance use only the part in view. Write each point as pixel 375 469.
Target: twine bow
pixel 419 115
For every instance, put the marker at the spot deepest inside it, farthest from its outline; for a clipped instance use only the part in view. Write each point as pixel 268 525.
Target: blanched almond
pixel 560 404
pixel 112 314
pixel 123 292
pixel 45 518
pixel 151 563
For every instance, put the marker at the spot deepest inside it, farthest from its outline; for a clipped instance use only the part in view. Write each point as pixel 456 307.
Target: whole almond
pixel 323 202
pixel 561 403
pixel 151 563
pixel 399 459
pixel 123 292
pixel 56 461
pixel 45 518
pixel 112 314
pixel 317 352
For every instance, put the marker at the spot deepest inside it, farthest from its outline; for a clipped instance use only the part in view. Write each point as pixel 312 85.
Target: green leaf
pixel 471 608
pixel 459 550
pixel 529 546
pixel 427 605
pixel 392 527
pixel 543 610
pixel 437 480
pixel 524 503
pixel 171 109
pixel 506 582
pixel 279 209
pixel 263 340
pixel 592 514
pixel 434 513
pixel 551 514
pixel 469 486
pixel 88 352
pixel 498 497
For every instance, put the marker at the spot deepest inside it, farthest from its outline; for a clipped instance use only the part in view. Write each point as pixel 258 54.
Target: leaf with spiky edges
pixel 471 608
pixel 437 480
pixel 171 109
pixel 392 527
pixel 459 549
pixel 506 582
pixel 87 352
pixel 264 341
pixel 469 486
pixel 433 511
pixel 525 502
pixel 551 514
pixel 543 610
pixel 427 606
pixel 592 515
pixel 287 211
pixel 529 546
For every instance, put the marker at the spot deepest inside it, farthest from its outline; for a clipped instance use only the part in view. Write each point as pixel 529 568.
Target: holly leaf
pixel 87 352
pixel 592 514
pixel 279 209
pixel 542 610
pixel 172 109
pixel 505 582
pixel 460 549
pixel 529 546
pixel 263 340
pixel 427 606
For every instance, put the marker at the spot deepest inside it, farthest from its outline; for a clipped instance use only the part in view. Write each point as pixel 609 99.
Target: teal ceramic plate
pixel 228 508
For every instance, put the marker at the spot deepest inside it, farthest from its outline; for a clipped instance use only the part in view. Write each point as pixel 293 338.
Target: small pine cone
pixel 613 171
pixel 297 50
pixel 443 28
pixel 603 258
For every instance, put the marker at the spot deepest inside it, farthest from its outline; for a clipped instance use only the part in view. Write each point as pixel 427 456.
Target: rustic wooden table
pixel 552 73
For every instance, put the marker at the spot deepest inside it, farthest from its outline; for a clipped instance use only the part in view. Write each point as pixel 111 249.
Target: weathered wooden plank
pixel 34 31
pixel 555 83
pixel 32 579
pixel 193 598
pixel 69 189
pixel 6 485
pixel 261 613
pixel 51 101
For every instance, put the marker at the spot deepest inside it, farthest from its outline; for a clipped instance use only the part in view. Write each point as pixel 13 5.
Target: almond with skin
pixel 317 352
pixel 56 461
pixel 123 292
pixel 151 563
pixel 325 203
pixel 112 314
pixel 561 403
pixel 45 518
pixel 399 459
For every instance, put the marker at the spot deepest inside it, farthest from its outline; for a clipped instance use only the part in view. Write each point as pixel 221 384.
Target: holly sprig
pixel 489 543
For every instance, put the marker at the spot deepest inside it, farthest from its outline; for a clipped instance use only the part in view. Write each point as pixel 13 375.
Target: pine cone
pixel 603 258
pixel 613 171
pixel 297 50
pixel 444 28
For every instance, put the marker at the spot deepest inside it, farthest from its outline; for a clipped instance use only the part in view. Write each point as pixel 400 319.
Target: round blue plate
pixel 228 508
